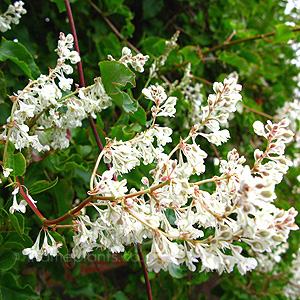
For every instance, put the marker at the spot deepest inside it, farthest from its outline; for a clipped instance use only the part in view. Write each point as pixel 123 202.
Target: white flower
pixel 163 253
pixel 12 15
pixel 34 251
pixel 6 171
pixel 155 93
pixel 65 83
pixel 217 137
pixel 53 249
pixel 137 62
pixel 21 207
pixel 26 110
pixel 168 108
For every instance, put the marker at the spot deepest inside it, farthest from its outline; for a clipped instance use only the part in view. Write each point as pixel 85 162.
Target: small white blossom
pixel 34 251
pixel 12 15
pixel 21 207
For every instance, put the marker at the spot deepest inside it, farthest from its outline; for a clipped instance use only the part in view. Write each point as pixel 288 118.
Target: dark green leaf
pixel 140 115
pixel 151 8
pixel 119 296
pixel 5 111
pixel 2 91
pixel 17 222
pixel 191 54
pixel 11 290
pixel 18 54
pixel 234 60
pixel 7 260
pixel 60 5
pixel 41 186
pixel 13 240
pixel 283 33
pixel 16 162
pixel 63 193
pixel 122 132
pixel 114 76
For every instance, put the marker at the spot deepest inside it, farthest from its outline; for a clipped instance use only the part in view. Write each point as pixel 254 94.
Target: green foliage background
pixel 268 80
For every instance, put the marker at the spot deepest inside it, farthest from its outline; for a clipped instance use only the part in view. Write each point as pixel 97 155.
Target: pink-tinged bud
pixel 145 181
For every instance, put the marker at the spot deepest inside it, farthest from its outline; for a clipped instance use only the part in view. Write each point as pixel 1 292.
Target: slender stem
pixel 202 80
pixel 95 170
pixel 258 112
pixel 116 31
pixel 147 281
pixel 81 76
pixel 257 37
pixel 70 213
pixel 29 202
pixel 214 179
pixel 76 45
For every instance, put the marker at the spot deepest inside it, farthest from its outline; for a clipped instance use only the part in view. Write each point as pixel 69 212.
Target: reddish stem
pixel 145 271
pixel 81 77
pixel 29 202
pixel 76 45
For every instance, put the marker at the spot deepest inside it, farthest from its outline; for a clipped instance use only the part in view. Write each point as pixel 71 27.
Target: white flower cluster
pixel 12 15
pixel 220 105
pixel 43 114
pixel 170 208
pixel 137 62
pixel 164 106
pixel 160 61
pixel 239 210
pixel 193 96
pixel 125 156
pixel 36 252
pixel 291 111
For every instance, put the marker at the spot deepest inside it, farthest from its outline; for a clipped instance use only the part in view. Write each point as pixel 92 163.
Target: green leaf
pixel 151 8
pixel 60 5
pixel 63 193
pixel 122 132
pixel 191 54
pixel 16 162
pixel 18 222
pixel 18 54
pixel 234 60
pixel 119 296
pixel 129 105
pixel 177 271
pixel 7 260
pixel 3 91
pixel 140 115
pixel 41 186
pixel 5 111
pixel 12 240
pixel 251 57
pixel 283 33
pixel 65 162
pixel 114 76
pixel 11 290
